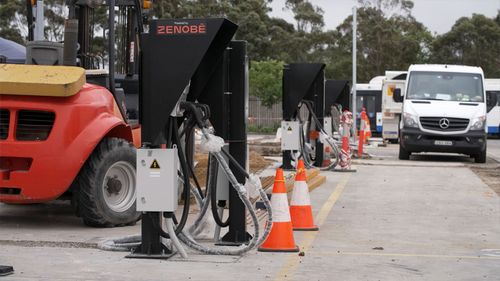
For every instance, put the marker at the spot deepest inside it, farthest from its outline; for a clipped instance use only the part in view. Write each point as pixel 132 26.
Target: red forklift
pixel 68 125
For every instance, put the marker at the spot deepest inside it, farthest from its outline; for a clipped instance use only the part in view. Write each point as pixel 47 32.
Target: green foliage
pixel 389 7
pixel 263 129
pixel 265 81
pixel 12 21
pixel 308 17
pixel 55 13
pixel 383 44
pixel 471 41
pixel 14 24
pixel 389 37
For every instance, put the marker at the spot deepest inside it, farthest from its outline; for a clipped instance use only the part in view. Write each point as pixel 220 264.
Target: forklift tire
pixel 106 185
pixel 403 154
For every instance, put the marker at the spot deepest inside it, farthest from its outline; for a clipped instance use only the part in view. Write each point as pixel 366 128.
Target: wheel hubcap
pixel 119 186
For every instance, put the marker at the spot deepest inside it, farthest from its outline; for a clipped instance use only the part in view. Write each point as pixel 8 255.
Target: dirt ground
pixel 257 164
pixel 489 174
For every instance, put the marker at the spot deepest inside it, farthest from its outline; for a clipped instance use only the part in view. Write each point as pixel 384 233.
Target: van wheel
pixel 106 185
pixel 480 157
pixel 403 154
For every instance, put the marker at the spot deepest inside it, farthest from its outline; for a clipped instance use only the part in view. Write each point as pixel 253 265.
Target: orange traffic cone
pixel 326 160
pixel 281 237
pixel 368 130
pixel 300 206
pixel 362 129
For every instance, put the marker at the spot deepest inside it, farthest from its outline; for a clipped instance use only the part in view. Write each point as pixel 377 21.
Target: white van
pixel 444 110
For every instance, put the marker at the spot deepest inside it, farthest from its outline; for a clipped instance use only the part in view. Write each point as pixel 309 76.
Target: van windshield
pixel 446 86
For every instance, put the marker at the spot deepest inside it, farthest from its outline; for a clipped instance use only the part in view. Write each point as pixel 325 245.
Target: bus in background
pixel 369 96
pixel 493 117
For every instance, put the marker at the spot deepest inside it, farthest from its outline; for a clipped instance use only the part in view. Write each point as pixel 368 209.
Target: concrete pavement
pixel 494 149
pixel 430 221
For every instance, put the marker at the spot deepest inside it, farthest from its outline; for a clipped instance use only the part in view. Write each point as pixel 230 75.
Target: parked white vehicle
pixel 391 110
pixel 444 110
pixel 492 87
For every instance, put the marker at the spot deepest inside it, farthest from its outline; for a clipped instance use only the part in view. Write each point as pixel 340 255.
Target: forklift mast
pixel 79 35
pixel 130 10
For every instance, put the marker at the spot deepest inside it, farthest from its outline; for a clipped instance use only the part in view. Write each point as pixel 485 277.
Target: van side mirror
pixel 491 100
pixel 396 95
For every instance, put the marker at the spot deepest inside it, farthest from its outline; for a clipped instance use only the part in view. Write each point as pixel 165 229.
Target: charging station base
pixel 6 270
pixel 345 171
pixel 230 240
pixel 164 256
pixel 151 246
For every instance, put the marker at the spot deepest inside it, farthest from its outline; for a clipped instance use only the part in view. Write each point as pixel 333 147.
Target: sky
pixel 437 15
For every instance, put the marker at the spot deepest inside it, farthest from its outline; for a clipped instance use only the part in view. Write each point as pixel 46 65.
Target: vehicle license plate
pixel 441 142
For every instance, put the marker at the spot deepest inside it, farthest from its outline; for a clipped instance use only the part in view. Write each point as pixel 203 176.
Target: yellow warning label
pixel 154 165
pixel 390 90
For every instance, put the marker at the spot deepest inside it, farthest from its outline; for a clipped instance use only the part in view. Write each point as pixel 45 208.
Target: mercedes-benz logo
pixel 444 123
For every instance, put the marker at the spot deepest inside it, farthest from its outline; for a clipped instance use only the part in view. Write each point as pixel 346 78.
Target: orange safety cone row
pixel 281 237
pixel 300 205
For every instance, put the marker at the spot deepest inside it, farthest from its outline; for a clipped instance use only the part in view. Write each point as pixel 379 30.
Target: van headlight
pixel 410 120
pixel 478 123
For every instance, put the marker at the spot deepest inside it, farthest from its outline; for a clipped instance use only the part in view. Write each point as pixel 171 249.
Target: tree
pixel 170 9
pixel 55 13
pixel 383 44
pixel 281 35
pixel 266 81
pixel 471 41
pixel 308 40
pixel 251 17
pixel 308 17
pixel 13 20
pixel 389 7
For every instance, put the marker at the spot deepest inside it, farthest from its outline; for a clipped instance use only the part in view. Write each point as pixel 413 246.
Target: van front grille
pixel 434 123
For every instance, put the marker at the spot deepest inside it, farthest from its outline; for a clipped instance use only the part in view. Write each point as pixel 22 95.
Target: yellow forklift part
pixel 41 80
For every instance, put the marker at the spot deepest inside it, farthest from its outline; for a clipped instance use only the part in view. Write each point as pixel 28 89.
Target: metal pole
pixel 237 123
pixel 111 46
pixel 354 39
pixel 29 14
pixel 39 21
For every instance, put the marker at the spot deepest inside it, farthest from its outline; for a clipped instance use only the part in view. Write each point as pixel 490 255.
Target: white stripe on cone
pixel 362 125
pixel 345 131
pixel 279 204
pixel 300 195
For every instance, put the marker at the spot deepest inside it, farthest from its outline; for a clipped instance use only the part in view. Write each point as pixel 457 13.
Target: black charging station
pixel 224 88
pixel 337 92
pixel 303 81
pixel 199 53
